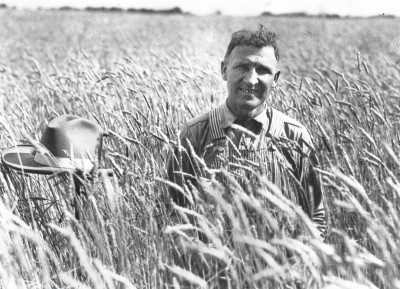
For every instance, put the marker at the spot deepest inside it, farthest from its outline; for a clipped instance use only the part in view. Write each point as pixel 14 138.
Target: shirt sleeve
pixel 180 168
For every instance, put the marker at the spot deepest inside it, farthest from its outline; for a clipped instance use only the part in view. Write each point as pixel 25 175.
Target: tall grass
pixel 141 77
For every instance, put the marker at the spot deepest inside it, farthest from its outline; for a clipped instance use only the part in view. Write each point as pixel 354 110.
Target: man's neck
pixel 243 114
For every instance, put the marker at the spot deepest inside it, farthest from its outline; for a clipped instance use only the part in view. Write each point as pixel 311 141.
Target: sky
pixel 232 7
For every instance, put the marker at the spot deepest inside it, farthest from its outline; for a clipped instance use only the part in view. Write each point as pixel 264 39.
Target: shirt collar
pixel 227 118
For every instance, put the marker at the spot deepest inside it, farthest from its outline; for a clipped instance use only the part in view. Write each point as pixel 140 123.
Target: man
pixel 246 130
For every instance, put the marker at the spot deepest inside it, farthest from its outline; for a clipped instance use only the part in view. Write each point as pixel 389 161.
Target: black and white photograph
pixel 181 144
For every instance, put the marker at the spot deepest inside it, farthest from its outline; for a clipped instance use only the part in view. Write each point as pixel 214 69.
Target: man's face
pixel 250 73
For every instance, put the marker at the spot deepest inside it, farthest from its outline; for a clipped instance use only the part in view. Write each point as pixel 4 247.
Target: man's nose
pixel 251 77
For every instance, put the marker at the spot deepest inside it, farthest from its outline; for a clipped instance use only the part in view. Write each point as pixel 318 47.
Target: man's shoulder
pixel 199 122
pixel 282 118
pixel 283 125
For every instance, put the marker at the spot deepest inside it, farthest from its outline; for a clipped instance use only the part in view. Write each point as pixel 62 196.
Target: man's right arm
pixel 180 168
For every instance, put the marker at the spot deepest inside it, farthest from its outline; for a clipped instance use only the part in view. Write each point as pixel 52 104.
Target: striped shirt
pixel 271 144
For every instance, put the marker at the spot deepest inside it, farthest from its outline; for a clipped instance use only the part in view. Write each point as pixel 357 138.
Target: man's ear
pixel 223 70
pixel 276 77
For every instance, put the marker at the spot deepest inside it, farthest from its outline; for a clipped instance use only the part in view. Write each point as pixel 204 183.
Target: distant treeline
pixel 177 10
pixel 322 15
pixel 301 14
pixel 174 10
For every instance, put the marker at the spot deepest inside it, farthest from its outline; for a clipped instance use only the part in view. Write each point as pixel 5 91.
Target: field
pixel 141 77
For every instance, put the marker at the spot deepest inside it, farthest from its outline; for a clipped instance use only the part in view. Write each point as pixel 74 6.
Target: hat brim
pixel 21 158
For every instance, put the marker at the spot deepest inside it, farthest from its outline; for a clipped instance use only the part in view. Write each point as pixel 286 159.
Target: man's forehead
pixel 252 53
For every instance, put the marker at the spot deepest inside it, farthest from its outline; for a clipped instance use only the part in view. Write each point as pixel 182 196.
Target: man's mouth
pixel 250 91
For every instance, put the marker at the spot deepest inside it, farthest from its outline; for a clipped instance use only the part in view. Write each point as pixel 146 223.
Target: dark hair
pixel 258 38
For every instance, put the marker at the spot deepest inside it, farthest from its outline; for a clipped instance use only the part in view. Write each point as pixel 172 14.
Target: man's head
pixel 251 70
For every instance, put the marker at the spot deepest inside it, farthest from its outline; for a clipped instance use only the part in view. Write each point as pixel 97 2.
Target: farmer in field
pixel 246 131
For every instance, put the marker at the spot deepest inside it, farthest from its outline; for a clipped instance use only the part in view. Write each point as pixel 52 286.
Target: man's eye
pixel 263 70
pixel 242 67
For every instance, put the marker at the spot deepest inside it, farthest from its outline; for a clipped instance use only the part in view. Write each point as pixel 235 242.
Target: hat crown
pixel 68 142
pixel 70 136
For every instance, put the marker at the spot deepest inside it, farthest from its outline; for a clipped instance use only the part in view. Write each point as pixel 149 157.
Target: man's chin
pixel 251 103
pixel 252 107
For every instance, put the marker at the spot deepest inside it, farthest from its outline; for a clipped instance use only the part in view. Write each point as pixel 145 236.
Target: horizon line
pixel 178 10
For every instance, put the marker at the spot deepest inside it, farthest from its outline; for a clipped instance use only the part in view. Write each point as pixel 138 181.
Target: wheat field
pixel 141 77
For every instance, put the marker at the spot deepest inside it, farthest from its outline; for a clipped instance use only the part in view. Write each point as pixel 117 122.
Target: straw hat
pixel 68 142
